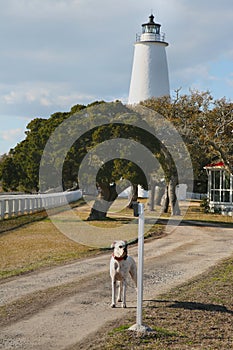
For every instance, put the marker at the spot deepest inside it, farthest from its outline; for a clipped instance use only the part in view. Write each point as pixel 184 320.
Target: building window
pixel 220 190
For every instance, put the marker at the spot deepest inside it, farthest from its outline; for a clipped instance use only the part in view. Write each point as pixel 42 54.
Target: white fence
pixel 15 205
pixel 191 195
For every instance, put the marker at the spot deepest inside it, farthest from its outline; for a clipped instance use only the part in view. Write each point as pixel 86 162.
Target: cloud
pixel 61 52
pixel 57 53
pixel 198 35
pixel 45 97
pixel 11 135
pixel 10 98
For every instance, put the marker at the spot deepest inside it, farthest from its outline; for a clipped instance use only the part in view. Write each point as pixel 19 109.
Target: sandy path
pixel 169 261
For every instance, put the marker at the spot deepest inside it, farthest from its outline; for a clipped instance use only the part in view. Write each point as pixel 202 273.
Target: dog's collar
pixel 120 259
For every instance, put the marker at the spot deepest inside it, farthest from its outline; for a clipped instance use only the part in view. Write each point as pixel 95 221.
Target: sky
pixel 57 53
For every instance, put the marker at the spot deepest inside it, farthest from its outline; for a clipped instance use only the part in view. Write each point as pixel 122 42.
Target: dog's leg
pixel 134 278
pixel 124 294
pixel 120 291
pixel 113 293
pixel 133 273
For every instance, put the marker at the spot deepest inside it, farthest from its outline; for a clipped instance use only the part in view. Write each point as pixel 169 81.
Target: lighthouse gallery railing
pixel 152 36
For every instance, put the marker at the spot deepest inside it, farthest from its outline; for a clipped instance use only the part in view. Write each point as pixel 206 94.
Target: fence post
pixel 2 211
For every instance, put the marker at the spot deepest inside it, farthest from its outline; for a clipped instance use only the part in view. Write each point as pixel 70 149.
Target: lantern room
pixel 151 26
pixel 151 32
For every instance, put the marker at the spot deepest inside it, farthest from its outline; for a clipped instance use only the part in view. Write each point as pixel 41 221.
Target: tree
pixel 110 174
pixel 220 131
pixel 24 159
pixel 205 125
pixel 9 173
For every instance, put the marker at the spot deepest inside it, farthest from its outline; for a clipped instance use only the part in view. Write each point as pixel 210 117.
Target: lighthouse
pixel 150 70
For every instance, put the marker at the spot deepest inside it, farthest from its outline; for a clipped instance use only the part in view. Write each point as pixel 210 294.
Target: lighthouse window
pixel 150 29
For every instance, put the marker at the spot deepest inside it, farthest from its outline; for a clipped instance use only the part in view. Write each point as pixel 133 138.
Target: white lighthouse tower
pixel 150 71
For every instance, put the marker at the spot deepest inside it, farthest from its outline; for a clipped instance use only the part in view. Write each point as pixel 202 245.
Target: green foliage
pixel 9 173
pixel 116 169
pixel 205 205
pixel 77 108
pixel 204 124
pixel 20 169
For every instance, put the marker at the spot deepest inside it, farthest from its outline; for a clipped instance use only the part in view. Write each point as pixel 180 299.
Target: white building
pixel 220 188
pixel 150 70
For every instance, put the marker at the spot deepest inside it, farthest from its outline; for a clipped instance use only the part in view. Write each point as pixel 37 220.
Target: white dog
pixel 121 265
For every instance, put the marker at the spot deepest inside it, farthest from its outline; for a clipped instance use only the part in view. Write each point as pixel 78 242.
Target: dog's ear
pixel 113 244
pixel 126 243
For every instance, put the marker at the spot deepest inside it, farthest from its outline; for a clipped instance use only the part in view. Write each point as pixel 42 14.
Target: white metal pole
pixel 139 327
pixel 140 263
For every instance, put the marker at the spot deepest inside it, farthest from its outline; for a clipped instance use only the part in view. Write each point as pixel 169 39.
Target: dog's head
pixel 120 249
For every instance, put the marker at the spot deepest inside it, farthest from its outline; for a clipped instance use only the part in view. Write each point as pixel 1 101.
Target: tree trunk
pixel 165 201
pixel 158 194
pixel 169 197
pixel 175 209
pixel 134 196
pixel 151 202
pixel 106 197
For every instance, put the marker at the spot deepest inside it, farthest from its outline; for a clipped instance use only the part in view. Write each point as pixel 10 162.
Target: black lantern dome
pixel 151 26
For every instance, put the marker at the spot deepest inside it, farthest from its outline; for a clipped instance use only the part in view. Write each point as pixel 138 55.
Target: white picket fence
pixel 15 205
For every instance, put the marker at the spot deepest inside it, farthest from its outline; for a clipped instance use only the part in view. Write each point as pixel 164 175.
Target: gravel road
pixel 181 255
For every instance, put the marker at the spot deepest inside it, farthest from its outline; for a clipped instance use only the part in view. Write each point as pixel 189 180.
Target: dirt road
pixel 179 256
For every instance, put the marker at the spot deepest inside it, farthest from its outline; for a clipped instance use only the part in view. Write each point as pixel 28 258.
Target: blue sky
pixel 57 53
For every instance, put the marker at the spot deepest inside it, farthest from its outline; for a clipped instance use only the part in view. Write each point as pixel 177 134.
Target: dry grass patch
pixel 197 213
pixel 36 245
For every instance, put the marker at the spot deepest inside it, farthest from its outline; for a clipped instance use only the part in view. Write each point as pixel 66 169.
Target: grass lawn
pixel 36 246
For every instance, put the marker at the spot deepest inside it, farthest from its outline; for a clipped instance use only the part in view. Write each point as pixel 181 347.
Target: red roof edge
pixel 216 165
